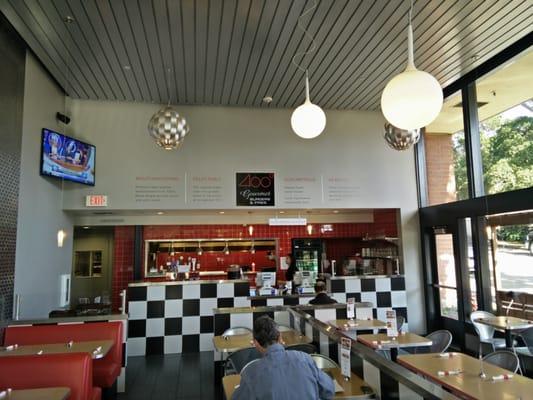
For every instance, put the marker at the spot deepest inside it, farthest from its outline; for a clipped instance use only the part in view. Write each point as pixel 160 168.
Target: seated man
pixel 321 296
pixel 281 374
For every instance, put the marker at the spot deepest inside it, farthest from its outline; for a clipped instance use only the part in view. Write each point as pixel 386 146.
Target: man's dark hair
pixel 266 331
pixel 320 286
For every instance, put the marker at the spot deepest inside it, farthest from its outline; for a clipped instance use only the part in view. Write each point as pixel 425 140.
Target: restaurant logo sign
pixel 255 189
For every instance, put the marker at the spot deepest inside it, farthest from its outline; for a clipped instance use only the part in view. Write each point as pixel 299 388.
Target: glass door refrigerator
pixel 308 255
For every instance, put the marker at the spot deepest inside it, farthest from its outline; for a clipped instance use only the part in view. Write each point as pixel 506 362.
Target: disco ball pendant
pixel 400 139
pixel 168 128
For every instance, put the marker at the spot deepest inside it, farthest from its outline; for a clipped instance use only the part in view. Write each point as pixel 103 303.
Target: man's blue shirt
pixel 284 375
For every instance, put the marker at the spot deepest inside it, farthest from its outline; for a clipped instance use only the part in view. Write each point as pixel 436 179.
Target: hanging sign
pixel 392 327
pixel 255 189
pixel 350 308
pixel 346 364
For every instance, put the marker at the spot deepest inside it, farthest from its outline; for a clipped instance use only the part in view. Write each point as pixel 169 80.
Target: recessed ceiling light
pixel 335 211
pixel 267 99
pixel 221 212
pixel 85 227
pixel 160 213
pixel 282 212
pixel 127 67
pixel 69 19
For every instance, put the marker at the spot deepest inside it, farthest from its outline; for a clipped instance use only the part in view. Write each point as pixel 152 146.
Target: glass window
pixel 445 161
pixel 505 108
pixel 511 238
pixel 447 283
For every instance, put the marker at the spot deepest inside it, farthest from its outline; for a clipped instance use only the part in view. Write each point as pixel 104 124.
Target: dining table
pixel 230 344
pixel 381 341
pixel 357 324
pixel 50 393
pixel 507 325
pixel 461 374
pixel 96 348
pixel 346 389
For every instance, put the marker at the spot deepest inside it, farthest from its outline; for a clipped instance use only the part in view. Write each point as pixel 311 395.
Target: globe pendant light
pixel 412 99
pixel 399 139
pixel 166 126
pixel 308 120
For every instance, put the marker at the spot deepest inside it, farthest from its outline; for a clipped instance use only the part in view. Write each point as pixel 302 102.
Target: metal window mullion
pixel 421 170
pixel 474 166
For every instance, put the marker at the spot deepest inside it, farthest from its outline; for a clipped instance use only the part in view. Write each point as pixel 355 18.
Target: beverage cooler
pixel 308 255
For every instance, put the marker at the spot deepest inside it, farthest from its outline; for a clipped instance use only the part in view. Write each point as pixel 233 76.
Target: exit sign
pixel 96 200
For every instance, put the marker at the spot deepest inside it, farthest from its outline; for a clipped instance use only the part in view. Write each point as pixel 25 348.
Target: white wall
pixel 224 140
pixel 39 261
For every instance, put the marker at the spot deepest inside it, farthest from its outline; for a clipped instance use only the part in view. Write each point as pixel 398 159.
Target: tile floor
pixel 186 376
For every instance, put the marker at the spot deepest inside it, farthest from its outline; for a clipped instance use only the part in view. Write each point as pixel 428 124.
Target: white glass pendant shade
pixel 308 120
pixel 412 99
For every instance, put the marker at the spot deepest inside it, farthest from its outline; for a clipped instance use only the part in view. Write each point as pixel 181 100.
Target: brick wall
pixel 440 168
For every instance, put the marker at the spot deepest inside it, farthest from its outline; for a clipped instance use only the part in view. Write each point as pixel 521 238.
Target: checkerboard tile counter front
pixel 384 292
pixel 177 317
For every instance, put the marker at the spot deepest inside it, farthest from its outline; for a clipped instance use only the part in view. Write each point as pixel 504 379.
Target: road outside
pixel 514 269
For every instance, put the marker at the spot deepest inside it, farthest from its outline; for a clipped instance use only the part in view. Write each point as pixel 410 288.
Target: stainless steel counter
pixel 196 282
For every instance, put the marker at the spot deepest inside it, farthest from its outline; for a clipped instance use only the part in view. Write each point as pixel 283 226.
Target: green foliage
pixel 507 153
pixel 513 233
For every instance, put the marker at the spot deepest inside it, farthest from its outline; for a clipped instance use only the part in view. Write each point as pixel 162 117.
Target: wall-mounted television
pixel 67 158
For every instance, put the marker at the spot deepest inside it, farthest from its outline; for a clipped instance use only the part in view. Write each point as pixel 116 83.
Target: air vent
pixel 102 213
pixel 479 104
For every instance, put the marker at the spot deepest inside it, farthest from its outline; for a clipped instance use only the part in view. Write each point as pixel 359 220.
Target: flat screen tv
pixel 67 158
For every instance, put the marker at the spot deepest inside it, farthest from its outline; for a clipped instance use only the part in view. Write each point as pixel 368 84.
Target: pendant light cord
pixel 168 86
pixel 306 33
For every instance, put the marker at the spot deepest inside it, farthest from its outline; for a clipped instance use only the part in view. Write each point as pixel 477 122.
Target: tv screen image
pixel 67 158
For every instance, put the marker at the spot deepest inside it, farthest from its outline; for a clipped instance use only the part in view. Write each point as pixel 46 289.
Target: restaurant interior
pixel 173 171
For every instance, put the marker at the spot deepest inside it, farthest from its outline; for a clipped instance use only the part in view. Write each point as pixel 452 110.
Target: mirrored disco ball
pixel 168 128
pixel 400 139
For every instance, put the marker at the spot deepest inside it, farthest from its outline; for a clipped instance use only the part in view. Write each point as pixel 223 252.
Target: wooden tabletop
pixel 502 322
pixel 357 324
pixel 405 339
pixel 468 384
pixel 91 347
pixel 233 343
pixel 351 389
pixel 55 393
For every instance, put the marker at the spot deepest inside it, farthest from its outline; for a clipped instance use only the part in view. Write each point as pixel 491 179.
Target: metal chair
pixel 247 365
pixel 322 361
pixel 238 330
pixel 305 347
pixel 525 353
pixel 238 360
pixel 486 332
pixel 503 358
pixel 441 341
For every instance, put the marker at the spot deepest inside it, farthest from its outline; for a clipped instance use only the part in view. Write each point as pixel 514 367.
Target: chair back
pixel 503 358
pixel 527 337
pixel 400 320
pixel 441 341
pixel 322 361
pixel 484 332
pixel 238 360
pixel 305 347
pixel 238 330
pixel 250 363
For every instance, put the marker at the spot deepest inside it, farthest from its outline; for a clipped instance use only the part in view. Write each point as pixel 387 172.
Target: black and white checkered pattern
pixel 385 293
pixel 178 317
pixel 121 380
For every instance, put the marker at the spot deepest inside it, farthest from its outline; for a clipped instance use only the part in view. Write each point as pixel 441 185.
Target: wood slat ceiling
pixel 235 52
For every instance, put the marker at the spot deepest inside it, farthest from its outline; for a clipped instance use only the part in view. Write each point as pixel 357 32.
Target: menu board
pixel 255 189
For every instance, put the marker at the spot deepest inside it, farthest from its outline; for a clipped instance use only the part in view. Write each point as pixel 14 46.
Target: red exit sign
pixel 96 200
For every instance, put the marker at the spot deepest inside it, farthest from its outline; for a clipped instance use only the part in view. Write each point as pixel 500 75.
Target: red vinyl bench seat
pixel 72 370
pixel 105 370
